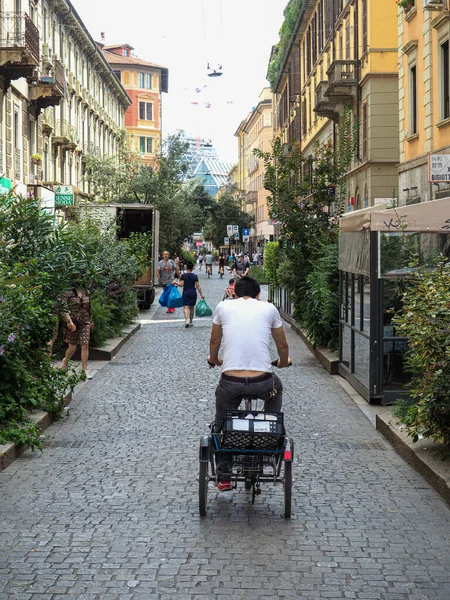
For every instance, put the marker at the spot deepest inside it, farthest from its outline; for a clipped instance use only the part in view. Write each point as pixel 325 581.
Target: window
pixel 141 80
pixel 413 100
pixel 145 145
pixel 320 25
pixel 347 39
pixel 118 75
pixel 145 111
pixel 308 52
pixel 364 26
pixel 364 130
pixel 445 90
pixel 148 81
pixel 126 52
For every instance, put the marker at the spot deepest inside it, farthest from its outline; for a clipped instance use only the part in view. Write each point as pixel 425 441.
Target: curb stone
pixel 10 452
pixel 420 455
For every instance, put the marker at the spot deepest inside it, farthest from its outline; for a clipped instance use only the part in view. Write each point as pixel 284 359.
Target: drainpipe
pixel 357 74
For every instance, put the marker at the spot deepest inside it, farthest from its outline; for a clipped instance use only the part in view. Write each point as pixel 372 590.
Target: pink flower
pixel 11 337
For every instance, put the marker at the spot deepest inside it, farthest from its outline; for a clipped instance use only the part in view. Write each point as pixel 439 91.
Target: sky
pixel 186 35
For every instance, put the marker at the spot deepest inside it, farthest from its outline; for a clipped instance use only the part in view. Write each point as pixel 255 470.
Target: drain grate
pixel 348 446
pixel 66 444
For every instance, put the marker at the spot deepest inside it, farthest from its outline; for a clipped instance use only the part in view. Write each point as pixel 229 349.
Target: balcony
pixel 19 46
pixel 49 89
pixel 65 135
pixel 48 122
pixel 342 81
pixel 93 149
pixel 324 107
pixel 251 197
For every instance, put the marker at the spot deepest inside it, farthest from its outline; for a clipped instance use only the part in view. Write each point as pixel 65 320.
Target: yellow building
pixel 256 132
pixel 344 53
pixel 424 84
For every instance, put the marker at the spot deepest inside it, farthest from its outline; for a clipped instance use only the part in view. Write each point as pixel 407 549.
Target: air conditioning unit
pixel 432 4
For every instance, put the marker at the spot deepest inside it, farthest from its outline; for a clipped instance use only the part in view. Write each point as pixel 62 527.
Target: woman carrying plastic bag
pixel 190 284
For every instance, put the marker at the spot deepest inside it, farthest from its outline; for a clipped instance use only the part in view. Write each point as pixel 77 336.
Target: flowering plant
pixel 405 3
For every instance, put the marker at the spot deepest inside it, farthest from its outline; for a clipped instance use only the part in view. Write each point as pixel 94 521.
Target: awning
pixel 432 217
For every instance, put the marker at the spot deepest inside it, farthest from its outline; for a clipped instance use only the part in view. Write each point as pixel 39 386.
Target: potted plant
pixel 36 159
pixel 405 4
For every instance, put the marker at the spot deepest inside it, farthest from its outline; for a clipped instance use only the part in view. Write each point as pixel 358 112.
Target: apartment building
pixel 59 100
pixel 344 53
pixel 424 93
pixel 255 132
pixel 144 82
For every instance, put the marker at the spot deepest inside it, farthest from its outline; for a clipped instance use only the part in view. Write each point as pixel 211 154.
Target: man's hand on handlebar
pixel 282 364
pixel 213 363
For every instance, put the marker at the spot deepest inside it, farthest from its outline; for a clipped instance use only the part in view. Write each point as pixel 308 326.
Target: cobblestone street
pixel 110 510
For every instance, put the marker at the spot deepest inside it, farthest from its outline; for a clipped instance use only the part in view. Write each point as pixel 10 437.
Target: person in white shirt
pixel 209 262
pixel 244 327
pixel 255 259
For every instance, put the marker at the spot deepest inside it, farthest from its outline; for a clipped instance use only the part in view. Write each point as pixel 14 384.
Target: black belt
pixel 247 380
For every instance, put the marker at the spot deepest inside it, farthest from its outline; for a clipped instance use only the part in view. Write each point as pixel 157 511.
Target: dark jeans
pixel 229 394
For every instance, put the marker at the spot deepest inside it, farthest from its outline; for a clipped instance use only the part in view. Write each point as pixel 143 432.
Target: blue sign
pixel 245 231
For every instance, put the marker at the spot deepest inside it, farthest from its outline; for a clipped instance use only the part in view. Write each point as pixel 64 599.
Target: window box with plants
pixel 406 4
pixel 36 159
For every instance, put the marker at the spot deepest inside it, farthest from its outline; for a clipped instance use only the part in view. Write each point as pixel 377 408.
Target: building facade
pixel 340 57
pixel 59 99
pixel 144 82
pixel 256 132
pixel 424 92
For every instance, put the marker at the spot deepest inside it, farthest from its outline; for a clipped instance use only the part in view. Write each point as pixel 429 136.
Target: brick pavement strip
pixel 110 510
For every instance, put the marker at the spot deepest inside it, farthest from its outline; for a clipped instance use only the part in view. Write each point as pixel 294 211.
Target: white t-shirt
pixel 246 327
pixel 209 259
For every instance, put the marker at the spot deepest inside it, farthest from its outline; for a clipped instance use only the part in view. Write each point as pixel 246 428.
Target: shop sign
pixel 63 195
pixel 5 185
pixel 438 167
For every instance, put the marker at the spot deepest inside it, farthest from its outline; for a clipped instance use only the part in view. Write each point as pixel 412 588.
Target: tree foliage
pixel 425 320
pixel 110 177
pixel 225 211
pixel 291 14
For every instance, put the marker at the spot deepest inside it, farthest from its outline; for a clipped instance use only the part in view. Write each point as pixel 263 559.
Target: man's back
pixel 209 259
pixel 247 327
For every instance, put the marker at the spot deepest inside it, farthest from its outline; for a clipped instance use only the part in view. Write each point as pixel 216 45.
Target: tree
pixel 225 211
pixel 110 177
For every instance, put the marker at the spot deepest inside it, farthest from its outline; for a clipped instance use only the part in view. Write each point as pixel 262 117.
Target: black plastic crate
pixel 252 430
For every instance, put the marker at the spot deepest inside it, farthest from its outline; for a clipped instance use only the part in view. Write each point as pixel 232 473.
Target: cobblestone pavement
pixel 110 510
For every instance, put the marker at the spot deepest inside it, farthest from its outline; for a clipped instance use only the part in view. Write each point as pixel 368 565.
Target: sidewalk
pixel 424 456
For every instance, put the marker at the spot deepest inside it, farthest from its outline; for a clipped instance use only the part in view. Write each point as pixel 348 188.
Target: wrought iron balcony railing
pixel 18 32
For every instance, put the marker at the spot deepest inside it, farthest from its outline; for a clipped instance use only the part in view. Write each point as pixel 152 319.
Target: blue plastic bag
pixel 164 296
pixel 202 309
pixel 175 299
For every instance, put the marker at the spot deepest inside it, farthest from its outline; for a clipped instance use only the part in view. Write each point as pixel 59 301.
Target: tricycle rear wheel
pixel 203 487
pixel 287 484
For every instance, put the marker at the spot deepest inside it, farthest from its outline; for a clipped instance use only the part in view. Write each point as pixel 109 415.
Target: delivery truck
pixel 133 218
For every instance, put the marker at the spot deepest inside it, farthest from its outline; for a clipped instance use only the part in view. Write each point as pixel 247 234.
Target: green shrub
pixel 272 257
pixel 259 274
pixel 425 321
pixel 37 260
pixel 320 299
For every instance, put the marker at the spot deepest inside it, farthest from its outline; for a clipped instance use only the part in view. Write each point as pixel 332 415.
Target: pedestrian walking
pixel 255 259
pixel 190 284
pixel 78 327
pixel 166 272
pixel 200 261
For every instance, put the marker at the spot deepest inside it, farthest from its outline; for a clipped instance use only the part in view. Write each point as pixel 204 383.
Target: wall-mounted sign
pixel 63 195
pixel 438 167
